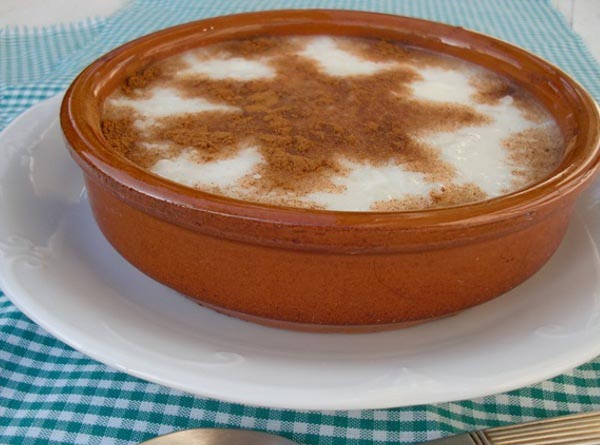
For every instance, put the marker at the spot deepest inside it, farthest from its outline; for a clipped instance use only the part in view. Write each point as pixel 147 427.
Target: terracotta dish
pixel 326 270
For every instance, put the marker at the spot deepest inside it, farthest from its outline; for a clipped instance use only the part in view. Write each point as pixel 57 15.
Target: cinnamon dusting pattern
pixel 308 125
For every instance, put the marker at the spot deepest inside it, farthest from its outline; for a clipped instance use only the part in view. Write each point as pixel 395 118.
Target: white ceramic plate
pixel 58 269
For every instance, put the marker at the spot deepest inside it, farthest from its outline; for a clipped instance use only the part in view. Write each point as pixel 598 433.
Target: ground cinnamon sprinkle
pixel 304 122
pixel 536 151
pixel 255 47
pixel 390 51
pixel 447 196
pixel 492 88
pixel 141 79
pixel 121 135
pixel 411 202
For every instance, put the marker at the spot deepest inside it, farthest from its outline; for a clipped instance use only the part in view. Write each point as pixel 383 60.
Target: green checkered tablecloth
pixel 50 393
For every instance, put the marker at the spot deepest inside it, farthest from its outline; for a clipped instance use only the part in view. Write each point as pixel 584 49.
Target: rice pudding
pixel 334 123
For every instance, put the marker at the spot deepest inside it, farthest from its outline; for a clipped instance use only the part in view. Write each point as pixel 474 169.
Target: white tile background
pixel 47 12
pixel 584 18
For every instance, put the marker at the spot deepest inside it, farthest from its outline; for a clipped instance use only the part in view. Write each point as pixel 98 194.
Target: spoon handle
pixel 576 429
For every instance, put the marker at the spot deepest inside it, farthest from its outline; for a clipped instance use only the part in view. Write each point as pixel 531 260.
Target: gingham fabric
pixel 32 58
pixel 51 394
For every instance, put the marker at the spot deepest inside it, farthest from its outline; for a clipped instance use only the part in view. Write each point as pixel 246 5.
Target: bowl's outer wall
pixel 290 286
pixel 329 270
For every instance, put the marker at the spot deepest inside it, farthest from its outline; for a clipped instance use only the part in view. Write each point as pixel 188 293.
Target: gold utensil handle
pixel 576 429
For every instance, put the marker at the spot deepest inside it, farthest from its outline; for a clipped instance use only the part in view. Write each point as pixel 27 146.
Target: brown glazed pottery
pixel 330 270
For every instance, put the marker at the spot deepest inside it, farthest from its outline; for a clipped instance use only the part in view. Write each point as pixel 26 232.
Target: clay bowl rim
pixel 93 154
